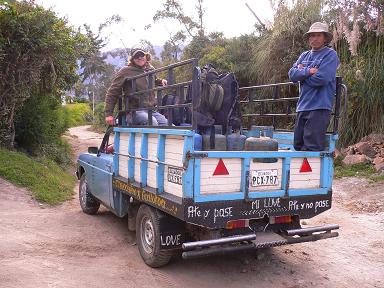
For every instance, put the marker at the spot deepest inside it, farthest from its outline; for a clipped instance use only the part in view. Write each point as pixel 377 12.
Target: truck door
pixel 102 170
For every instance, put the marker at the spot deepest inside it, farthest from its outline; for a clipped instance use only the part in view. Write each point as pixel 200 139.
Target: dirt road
pixel 62 247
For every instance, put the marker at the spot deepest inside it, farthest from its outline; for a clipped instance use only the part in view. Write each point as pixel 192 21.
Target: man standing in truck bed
pixel 316 71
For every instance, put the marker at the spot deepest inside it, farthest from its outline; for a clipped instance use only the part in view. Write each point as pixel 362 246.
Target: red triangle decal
pixel 220 169
pixel 305 167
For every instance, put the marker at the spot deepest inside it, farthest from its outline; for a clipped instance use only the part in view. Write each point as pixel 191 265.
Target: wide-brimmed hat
pixel 319 27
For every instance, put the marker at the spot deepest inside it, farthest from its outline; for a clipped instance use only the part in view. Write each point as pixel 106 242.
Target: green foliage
pixel 99 118
pixel 39 126
pixel 217 56
pixel 278 48
pixel 171 48
pixel 39 57
pixel 39 121
pixel 58 151
pixel 48 182
pixel 78 114
pixel 362 170
pixel 364 77
pixel 357 170
pixel 239 53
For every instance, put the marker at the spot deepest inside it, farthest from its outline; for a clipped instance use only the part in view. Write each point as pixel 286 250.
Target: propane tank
pixel 235 141
pixel 197 139
pixel 214 136
pixel 198 142
pixel 258 131
pixel 258 142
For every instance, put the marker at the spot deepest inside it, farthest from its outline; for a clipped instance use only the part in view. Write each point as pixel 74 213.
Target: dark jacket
pixel 115 90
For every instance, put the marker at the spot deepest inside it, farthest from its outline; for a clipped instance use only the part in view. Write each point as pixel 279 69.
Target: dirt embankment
pixel 62 247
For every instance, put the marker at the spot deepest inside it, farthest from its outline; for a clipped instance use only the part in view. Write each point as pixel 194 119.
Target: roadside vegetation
pixel 47 181
pixel 40 55
pixel 357 170
pixel 78 114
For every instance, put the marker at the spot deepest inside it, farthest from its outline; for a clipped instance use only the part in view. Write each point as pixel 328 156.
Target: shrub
pixel 78 114
pixel 99 118
pixel 39 126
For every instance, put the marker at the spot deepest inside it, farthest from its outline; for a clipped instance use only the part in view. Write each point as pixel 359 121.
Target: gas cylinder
pixel 214 136
pixel 262 144
pixel 197 139
pixel 259 131
pixel 235 141
pixel 198 142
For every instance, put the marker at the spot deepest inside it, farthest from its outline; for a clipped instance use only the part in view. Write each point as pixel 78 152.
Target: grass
pixel 357 170
pixel 47 181
pixel 78 114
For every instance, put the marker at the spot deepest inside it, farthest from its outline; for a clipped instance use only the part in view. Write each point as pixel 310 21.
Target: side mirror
pixel 93 150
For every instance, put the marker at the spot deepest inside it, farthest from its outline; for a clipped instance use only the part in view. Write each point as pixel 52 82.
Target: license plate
pixel 175 175
pixel 267 177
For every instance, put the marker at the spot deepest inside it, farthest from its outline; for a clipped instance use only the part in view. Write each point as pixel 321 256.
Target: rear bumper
pixel 256 240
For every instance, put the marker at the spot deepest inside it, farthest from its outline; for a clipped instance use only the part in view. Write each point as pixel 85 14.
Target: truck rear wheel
pixel 88 203
pixel 148 237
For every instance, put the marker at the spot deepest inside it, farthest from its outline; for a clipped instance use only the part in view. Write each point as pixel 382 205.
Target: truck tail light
pixel 233 224
pixel 280 219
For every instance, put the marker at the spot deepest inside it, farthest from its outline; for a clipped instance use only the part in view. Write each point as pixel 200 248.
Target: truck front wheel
pixel 88 202
pixel 148 237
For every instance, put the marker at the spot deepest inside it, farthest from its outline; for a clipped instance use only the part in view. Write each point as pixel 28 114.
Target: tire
pixel 88 203
pixel 148 238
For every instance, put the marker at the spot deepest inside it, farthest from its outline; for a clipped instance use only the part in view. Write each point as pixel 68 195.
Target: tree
pixel 171 50
pixel 190 27
pixel 38 56
pixel 92 62
pixel 173 10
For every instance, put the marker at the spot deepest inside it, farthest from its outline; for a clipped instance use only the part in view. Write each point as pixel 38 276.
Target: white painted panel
pixel 137 145
pixel 174 146
pixel 263 166
pixel 152 147
pixel 308 184
pixel 123 144
pixel 123 166
pixel 151 175
pixel 297 162
pixel 137 171
pixel 210 184
pixel 137 154
pixel 172 188
pixel 305 180
pixel 152 155
pixel 123 152
pixel 124 139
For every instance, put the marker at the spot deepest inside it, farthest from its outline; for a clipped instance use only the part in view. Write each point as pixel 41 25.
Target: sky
pixel 233 18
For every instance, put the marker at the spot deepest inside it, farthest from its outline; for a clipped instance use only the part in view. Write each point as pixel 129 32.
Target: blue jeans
pixel 310 130
pixel 141 118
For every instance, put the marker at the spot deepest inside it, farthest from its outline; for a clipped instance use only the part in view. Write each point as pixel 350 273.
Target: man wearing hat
pixel 316 71
pixel 138 64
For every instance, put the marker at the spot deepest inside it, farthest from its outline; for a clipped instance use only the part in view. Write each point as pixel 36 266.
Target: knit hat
pixel 136 50
pixel 319 27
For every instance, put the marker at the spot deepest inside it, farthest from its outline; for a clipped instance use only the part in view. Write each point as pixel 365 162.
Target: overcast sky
pixel 231 17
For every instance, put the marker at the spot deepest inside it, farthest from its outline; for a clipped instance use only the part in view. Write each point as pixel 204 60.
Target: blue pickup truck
pixel 182 198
